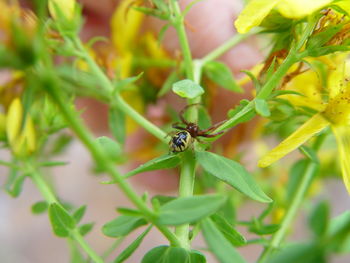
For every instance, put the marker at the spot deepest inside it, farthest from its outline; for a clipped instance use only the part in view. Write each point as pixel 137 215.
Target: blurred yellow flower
pixel 335 113
pixel 256 10
pixel 20 130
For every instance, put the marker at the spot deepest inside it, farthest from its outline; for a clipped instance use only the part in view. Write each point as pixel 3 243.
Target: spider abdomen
pixel 180 141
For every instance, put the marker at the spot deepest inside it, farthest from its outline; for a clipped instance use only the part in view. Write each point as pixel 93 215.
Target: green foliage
pixel 221 74
pixel 218 244
pixel 122 226
pixel 231 173
pixel 189 209
pixel 187 88
pixel 166 254
pixel 132 247
pixel 47 67
pixel 61 221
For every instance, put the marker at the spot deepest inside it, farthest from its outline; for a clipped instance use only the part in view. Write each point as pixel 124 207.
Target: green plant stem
pixel 187 177
pixel 178 23
pixel 121 103
pixel 51 198
pixel 278 237
pixel 102 160
pixel 230 43
pixel 78 237
pixel 147 125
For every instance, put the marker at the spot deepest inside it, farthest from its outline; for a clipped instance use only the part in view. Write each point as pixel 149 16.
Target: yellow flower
pixel 64 7
pixel 335 113
pixel 21 136
pixel 256 10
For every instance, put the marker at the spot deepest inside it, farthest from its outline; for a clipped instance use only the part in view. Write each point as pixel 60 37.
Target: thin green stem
pixel 47 193
pixel 92 254
pixel 104 161
pixel 178 23
pixel 187 177
pixel 296 201
pixel 121 103
pixel 147 125
pixel 233 41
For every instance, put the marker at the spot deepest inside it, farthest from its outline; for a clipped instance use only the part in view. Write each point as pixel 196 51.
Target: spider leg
pixel 213 127
pixel 182 112
pixel 178 127
pixel 210 135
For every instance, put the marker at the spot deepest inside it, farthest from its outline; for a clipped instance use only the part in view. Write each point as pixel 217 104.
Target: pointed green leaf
pixel 187 89
pixel 111 147
pixel 189 209
pixel 163 162
pixel 122 225
pixel 86 228
pixel 79 213
pixel 219 245
pixel 40 207
pixel 262 108
pixel 231 234
pixel 126 253
pixel 222 75
pixel 233 174
pixel 60 219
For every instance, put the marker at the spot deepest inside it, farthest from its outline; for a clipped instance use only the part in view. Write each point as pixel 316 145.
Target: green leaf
pixel 168 83
pixel 295 175
pixel 15 188
pixel 222 75
pixel 233 174
pixel 129 212
pixel 112 148
pixel 260 229
pixel 122 225
pixel 166 254
pixel 187 89
pixel 163 162
pixel 163 199
pixel 319 219
pixel 231 234
pixel 117 124
pixel 40 207
pixel 218 244
pixel 301 253
pixel 126 253
pixel 79 213
pixel 340 224
pixel 189 209
pixel 86 228
pixel 121 84
pixel 53 163
pixel 60 219
pixel 262 108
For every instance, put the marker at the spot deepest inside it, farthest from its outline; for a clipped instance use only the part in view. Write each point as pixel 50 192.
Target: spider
pixel 181 140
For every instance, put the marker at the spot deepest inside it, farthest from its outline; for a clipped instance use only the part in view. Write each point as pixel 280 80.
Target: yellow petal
pixel 66 7
pixel 342 136
pixel 300 8
pixel 14 119
pixel 314 125
pixel 308 84
pixel 252 15
pixel 125 25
